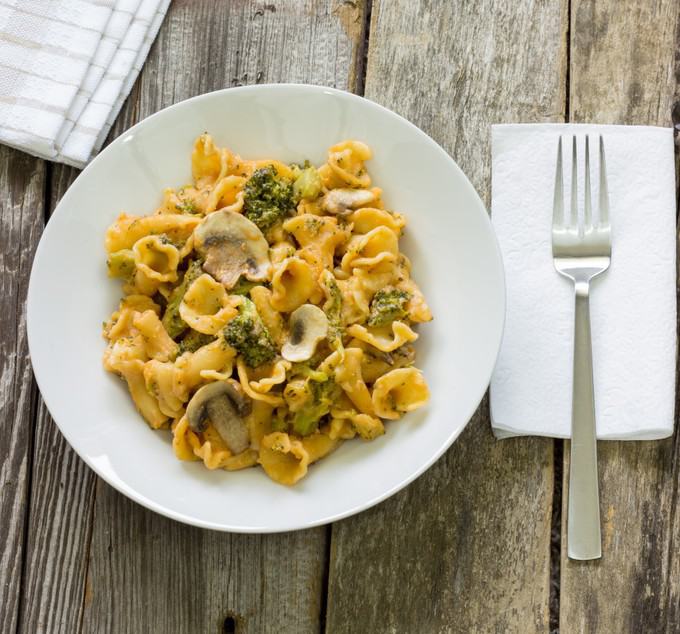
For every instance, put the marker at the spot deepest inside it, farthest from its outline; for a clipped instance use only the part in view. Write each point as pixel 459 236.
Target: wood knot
pixel 232 624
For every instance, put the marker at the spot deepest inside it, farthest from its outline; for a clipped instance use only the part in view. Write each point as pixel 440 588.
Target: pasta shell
pixel 292 284
pixel 206 307
pixel 399 391
pixel 283 460
pixel 401 334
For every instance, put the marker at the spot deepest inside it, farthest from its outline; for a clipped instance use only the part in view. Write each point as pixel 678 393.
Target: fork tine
pixel 604 192
pixel 573 214
pixel 587 206
pixel 558 200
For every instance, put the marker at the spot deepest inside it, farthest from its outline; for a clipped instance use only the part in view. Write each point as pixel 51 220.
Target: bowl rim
pixel 150 504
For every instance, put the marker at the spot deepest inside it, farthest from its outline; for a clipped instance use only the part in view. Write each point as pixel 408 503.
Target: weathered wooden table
pixel 472 546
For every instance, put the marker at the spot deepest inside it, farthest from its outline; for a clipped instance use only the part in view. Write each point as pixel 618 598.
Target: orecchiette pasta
pixel 381 340
pixel 366 219
pixel 206 307
pixel 348 375
pixel 292 284
pixel 341 429
pixel 377 248
pixel 272 319
pixel 248 387
pixel 345 166
pixel 133 372
pixel 193 368
pixel 283 459
pixel 157 258
pixel 158 343
pixel 160 382
pixel 124 233
pixel 267 312
pixel 228 193
pixel 276 376
pixel 399 391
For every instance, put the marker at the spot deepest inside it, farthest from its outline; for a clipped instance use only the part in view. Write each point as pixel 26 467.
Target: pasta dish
pixel 267 312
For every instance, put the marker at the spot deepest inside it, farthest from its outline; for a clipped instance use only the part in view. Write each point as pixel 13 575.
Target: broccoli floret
pixel 298 167
pixel 194 340
pixel 121 264
pixel 248 335
pixel 243 286
pixel 387 305
pixel 187 207
pixel 268 198
pixel 306 370
pixel 172 321
pixel 333 307
pixel 279 422
pixel 307 184
pixel 322 395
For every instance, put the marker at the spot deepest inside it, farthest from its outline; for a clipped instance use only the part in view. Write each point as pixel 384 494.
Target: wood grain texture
pixel 147 573
pixel 58 533
pixel 623 70
pixel 60 511
pixel 206 45
pixel 60 514
pixel 466 548
pixel 22 180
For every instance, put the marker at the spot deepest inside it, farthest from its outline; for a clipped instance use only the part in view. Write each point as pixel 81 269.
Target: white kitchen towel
pixel 633 304
pixel 66 66
pixel 119 22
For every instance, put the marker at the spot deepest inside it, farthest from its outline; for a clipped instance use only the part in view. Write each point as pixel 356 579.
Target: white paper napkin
pixel 633 304
pixel 66 67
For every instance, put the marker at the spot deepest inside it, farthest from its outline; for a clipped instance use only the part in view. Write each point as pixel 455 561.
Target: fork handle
pixel 584 538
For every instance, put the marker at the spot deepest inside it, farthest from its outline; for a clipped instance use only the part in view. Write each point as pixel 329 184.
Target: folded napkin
pixel 633 304
pixel 66 67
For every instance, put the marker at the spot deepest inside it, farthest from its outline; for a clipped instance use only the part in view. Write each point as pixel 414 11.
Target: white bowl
pixel 449 239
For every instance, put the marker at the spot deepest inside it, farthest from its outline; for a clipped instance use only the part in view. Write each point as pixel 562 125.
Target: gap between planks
pixel 47 192
pixel 558 443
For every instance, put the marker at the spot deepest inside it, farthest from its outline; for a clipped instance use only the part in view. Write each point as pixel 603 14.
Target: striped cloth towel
pixel 66 67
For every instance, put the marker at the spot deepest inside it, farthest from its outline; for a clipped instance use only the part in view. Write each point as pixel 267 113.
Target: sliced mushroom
pixel 341 202
pixel 224 404
pixel 308 326
pixel 231 246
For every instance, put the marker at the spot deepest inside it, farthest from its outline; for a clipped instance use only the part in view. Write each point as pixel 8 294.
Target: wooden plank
pixel 58 533
pixel 623 71
pixel 60 512
pixel 466 548
pixel 22 181
pixel 147 573
pixel 61 507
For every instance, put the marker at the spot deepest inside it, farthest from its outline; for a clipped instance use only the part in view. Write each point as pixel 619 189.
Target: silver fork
pixel 581 250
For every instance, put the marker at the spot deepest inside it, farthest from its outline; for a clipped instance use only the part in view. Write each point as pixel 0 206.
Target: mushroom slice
pixel 232 246
pixel 308 325
pixel 224 404
pixel 341 202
